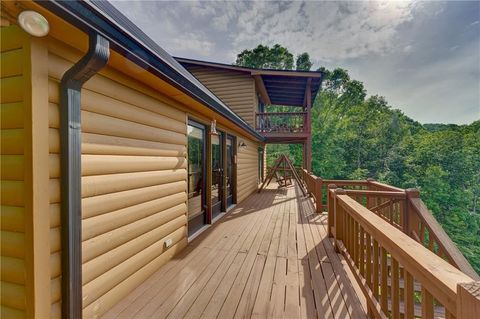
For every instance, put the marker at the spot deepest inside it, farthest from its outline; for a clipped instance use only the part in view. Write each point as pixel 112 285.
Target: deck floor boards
pixel 267 258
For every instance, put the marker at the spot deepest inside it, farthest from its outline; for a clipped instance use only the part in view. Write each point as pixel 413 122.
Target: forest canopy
pixel 356 136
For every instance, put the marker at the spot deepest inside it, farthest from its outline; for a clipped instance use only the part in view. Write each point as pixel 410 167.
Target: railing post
pixel 407 218
pixel 319 195
pixel 370 200
pixel 331 209
pixel 339 231
pixel 468 300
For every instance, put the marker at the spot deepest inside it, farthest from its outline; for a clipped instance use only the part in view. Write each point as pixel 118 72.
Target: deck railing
pixel 281 122
pixel 404 262
pixel 402 208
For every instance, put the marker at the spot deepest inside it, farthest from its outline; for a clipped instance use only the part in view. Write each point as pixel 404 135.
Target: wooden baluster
pixel 430 240
pixel 331 210
pixel 350 236
pixel 421 234
pixel 384 282
pixel 390 208
pixel 376 272
pixel 319 195
pixel 408 296
pixel 368 261
pixel 401 212
pixel 355 244
pixel 427 304
pixel 339 216
pixel 395 300
pixel 362 252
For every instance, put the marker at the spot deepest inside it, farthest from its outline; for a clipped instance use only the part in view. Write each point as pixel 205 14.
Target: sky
pixel 422 56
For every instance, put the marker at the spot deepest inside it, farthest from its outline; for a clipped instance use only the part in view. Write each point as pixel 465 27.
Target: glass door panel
pixel 230 169
pixel 196 177
pixel 217 174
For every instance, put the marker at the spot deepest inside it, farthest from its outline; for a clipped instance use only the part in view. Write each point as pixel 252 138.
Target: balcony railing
pixel 281 122
pixel 403 261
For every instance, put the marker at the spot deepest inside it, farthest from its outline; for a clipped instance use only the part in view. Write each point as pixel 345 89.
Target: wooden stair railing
pixel 389 266
pixel 401 208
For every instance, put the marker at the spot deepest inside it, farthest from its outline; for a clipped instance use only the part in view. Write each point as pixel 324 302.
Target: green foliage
pixel 355 137
pixel 276 57
pixel 303 62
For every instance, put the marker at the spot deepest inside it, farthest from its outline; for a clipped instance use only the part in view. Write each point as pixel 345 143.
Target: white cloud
pixel 328 30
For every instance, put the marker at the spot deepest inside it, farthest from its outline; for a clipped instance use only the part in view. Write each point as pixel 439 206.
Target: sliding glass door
pixel 217 174
pixel 230 144
pixel 197 215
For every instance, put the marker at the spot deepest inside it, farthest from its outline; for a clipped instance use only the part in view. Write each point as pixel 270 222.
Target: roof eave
pixel 87 17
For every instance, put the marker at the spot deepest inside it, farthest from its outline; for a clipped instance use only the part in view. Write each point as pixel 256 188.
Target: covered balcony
pixel 278 254
pixel 295 92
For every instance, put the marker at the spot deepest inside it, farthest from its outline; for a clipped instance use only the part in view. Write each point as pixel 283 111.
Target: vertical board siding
pixel 133 184
pixel 247 169
pixel 13 117
pixel 235 89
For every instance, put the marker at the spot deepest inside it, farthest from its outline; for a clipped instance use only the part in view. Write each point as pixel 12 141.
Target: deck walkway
pixel 267 258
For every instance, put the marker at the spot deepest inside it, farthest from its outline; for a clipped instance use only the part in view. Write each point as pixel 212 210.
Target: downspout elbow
pixel 71 196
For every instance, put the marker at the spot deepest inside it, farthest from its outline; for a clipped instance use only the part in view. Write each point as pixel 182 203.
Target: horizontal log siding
pixel 235 89
pixel 13 117
pixel 247 169
pixel 133 185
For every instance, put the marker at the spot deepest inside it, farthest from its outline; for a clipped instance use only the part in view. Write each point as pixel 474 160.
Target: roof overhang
pixel 278 87
pixel 127 39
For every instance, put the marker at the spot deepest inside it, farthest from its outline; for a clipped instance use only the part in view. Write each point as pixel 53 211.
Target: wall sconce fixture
pixel 213 128
pixel 242 146
pixel 33 23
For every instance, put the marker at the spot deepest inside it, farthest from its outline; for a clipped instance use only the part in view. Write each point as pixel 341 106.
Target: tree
pixel 303 62
pixel 264 57
pixel 355 136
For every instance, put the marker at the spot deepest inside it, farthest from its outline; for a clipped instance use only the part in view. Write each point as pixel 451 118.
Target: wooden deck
pixel 267 258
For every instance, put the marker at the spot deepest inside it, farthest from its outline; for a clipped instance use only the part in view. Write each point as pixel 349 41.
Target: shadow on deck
pixel 270 257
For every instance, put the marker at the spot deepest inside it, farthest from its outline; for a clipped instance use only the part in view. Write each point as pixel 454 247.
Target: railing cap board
pixel 340 191
pixel 443 240
pixel 331 186
pixel 340 182
pixel 438 276
pixel 385 186
pixel 375 193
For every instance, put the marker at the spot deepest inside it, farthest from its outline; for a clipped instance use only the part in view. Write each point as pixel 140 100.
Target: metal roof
pixel 126 38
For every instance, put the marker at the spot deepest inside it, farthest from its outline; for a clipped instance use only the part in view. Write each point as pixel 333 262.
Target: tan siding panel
pixel 13 170
pixel 235 89
pixel 247 169
pixel 11 115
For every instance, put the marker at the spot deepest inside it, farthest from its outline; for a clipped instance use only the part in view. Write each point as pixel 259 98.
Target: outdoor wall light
pixel 242 145
pixel 213 128
pixel 33 23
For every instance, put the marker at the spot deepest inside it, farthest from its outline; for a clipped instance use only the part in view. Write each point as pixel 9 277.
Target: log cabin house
pixel 128 189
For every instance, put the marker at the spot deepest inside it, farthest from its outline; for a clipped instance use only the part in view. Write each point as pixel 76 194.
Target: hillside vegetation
pixel 355 137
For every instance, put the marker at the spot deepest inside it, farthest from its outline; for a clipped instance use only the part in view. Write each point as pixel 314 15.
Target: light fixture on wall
pixel 33 23
pixel 242 146
pixel 213 128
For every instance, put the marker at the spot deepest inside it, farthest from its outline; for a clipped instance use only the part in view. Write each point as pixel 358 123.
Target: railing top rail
pixel 281 113
pixel 340 182
pixel 443 240
pixel 383 186
pixel 437 275
pixel 369 193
